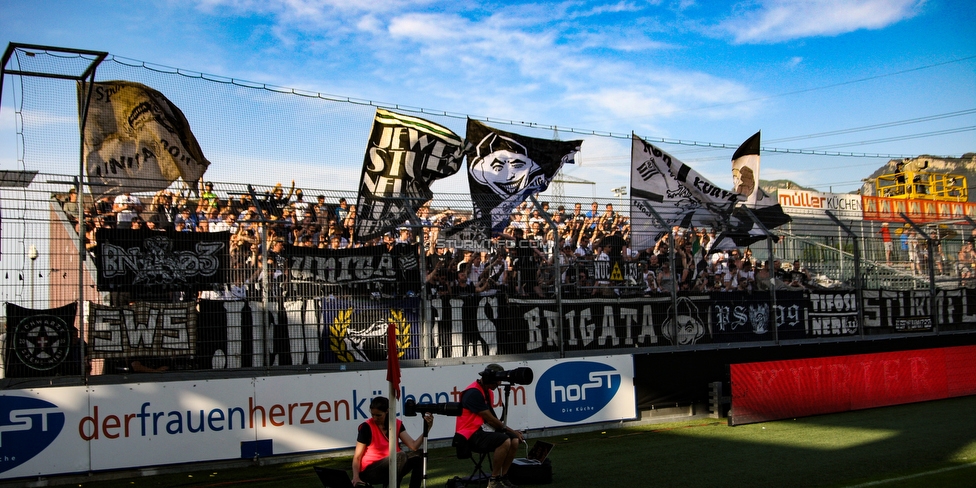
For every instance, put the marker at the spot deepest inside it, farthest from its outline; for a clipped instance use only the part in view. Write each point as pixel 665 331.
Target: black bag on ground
pixel 530 474
pixel 455 482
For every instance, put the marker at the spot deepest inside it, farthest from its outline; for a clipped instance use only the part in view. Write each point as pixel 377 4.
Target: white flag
pixel 678 194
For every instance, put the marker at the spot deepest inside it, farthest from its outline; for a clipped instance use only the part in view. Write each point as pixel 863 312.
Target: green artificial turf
pixel 918 445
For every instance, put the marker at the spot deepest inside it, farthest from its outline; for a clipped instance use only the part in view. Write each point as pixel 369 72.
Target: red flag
pixel 392 359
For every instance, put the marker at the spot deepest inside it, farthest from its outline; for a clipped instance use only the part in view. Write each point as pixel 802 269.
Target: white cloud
pixel 559 64
pixel 783 20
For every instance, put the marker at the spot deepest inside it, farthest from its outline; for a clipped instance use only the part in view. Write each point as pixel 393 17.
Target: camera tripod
pixel 423 455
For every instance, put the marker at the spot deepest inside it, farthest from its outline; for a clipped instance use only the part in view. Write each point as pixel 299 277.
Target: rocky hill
pixel 965 165
pixel 770 186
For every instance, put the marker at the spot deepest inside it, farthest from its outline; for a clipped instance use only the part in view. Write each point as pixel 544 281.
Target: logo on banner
pixel 352 342
pixel 27 427
pixel 575 391
pixel 158 263
pixel 42 342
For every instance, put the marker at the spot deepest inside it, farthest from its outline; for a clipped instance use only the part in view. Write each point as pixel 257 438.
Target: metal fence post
pixel 857 270
pixel 556 270
pixel 932 288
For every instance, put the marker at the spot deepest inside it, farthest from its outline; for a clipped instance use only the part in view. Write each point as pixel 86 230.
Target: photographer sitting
pixel 371 461
pixel 482 428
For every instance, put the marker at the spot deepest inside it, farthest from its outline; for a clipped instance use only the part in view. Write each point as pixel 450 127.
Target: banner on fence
pixel 41 342
pixel 741 316
pixel 833 313
pixel 356 329
pixel 362 265
pixel 147 262
pixel 144 329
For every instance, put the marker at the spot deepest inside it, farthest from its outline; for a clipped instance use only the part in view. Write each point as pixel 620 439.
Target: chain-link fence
pixel 235 278
pixel 258 265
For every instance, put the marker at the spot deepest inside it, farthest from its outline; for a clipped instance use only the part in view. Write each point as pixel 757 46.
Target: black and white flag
pixel 404 156
pixel 144 262
pixel 745 178
pixel 678 194
pixel 505 168
pixel 135 138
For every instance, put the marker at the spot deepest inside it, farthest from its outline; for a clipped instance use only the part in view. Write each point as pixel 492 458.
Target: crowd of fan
pixel 520 262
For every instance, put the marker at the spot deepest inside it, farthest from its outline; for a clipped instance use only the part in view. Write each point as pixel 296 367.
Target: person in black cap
pixel 484 431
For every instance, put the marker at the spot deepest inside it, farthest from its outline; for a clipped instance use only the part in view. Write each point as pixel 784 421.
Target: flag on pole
pixel 505 168
pixel 674 191
pixel 745 170
pixel 392 359
pixel 393 377
pixel 745 178
pixel 135 138
pixel 403 157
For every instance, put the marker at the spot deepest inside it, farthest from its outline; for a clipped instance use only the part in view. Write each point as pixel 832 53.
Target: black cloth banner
pixel 397 267
pixel 403 157
pixel 505 168
pixel 142 330
pixel 911 310
pixel 231 335
pixel 147 262
pixel 611 324
pixel 42 342
pixel 355 329
pixel 472 235
pixel 739 316
pixel 833 313
pixel 228 334
pixel 616 270
pixel 466 326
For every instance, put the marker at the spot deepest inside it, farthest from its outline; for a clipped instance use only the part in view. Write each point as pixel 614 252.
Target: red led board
pixel 784 389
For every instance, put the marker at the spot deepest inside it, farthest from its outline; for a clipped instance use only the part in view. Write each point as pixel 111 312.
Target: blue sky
pixel 696 71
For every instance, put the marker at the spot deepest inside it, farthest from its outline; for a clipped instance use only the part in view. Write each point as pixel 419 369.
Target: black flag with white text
pixel 404 156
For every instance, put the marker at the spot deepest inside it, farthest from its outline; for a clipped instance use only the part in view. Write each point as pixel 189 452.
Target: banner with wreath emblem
pixel 356 329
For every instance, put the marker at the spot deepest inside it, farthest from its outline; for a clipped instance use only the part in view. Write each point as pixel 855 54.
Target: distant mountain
pixel 770 186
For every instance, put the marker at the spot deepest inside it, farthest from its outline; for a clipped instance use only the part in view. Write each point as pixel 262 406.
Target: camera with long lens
pixel 517 376
pixel 411 408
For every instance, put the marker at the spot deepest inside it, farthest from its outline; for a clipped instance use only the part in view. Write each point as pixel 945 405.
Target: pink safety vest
pixel 469 422
pixel 379 445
